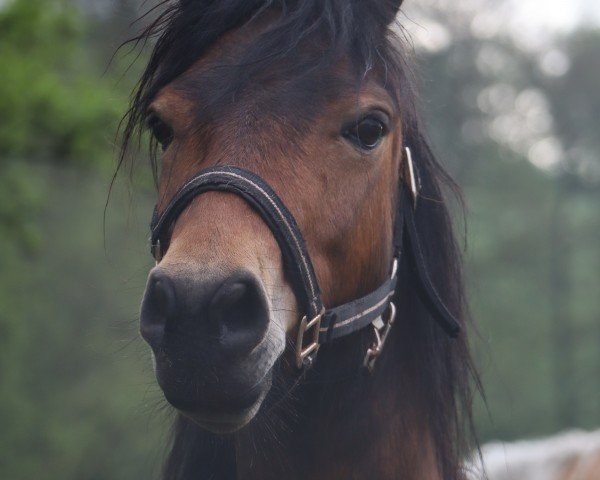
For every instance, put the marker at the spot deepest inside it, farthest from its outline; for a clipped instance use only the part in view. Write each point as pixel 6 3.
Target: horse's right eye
pixel 161 131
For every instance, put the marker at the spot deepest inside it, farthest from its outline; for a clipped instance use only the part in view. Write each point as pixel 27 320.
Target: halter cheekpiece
pixel 318 325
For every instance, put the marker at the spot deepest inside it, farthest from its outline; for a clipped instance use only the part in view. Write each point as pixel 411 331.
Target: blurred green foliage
pixel 53 104
pixel 533 234
pixel 77 397
pixel 72 392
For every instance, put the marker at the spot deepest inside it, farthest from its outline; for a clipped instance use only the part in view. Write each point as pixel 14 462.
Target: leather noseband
pixel 318 325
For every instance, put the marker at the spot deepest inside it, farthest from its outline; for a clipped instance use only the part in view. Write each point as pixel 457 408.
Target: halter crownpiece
pixel 318 325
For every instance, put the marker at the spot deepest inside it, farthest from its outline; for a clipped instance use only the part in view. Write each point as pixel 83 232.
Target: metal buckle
pixel 411 176
pixel 306 354
pixel 381 330
pixel 156 251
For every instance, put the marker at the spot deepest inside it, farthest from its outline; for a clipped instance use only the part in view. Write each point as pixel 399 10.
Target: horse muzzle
pixel 210 337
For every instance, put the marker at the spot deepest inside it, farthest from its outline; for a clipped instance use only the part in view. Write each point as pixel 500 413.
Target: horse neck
pixel 345 425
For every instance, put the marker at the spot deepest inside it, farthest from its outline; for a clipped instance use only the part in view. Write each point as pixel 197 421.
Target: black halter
pixel 318 325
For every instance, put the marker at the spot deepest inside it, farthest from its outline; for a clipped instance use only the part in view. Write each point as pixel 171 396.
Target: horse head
pixel 315 101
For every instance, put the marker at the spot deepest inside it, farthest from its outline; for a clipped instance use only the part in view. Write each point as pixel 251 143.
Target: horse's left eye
pixel 367 133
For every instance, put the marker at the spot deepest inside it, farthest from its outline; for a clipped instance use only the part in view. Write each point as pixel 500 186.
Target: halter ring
pixel 381 330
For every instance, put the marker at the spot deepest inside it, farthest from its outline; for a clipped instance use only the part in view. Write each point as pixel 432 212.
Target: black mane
pixel 352 29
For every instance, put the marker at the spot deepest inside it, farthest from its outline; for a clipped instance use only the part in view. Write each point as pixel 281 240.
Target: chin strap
pixel 318 325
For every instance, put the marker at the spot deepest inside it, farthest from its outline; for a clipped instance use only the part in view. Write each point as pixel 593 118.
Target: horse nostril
pixel 239 311
pixel 164 298
pixel 235 311
pixel 159 308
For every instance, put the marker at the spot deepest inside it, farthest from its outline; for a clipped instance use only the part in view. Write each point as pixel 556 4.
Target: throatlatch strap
pixel 425 288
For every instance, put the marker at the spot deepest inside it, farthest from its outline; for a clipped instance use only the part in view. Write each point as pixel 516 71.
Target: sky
pixel 552 14
pixel 558 14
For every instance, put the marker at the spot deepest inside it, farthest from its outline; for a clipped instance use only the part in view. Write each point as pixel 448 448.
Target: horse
pixel 569 455
pixel 306 313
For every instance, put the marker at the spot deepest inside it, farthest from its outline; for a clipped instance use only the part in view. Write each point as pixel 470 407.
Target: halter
pixel 318 325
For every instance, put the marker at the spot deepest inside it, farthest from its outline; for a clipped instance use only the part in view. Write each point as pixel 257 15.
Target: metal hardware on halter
pixel 306 354
pixel 343 319
pixel 411 176
pixel 156 251
pixel 381 330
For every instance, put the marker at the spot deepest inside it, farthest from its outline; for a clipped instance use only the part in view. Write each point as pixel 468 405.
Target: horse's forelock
pixel 184 31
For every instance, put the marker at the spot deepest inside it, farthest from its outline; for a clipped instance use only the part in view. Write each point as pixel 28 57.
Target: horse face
pixel 218 308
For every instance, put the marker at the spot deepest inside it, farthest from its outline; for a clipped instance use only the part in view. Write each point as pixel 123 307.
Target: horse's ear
pixel 392 8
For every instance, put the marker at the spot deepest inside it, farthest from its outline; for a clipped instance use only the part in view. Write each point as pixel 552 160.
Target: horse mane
pixel 186 29
pixel 183 32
